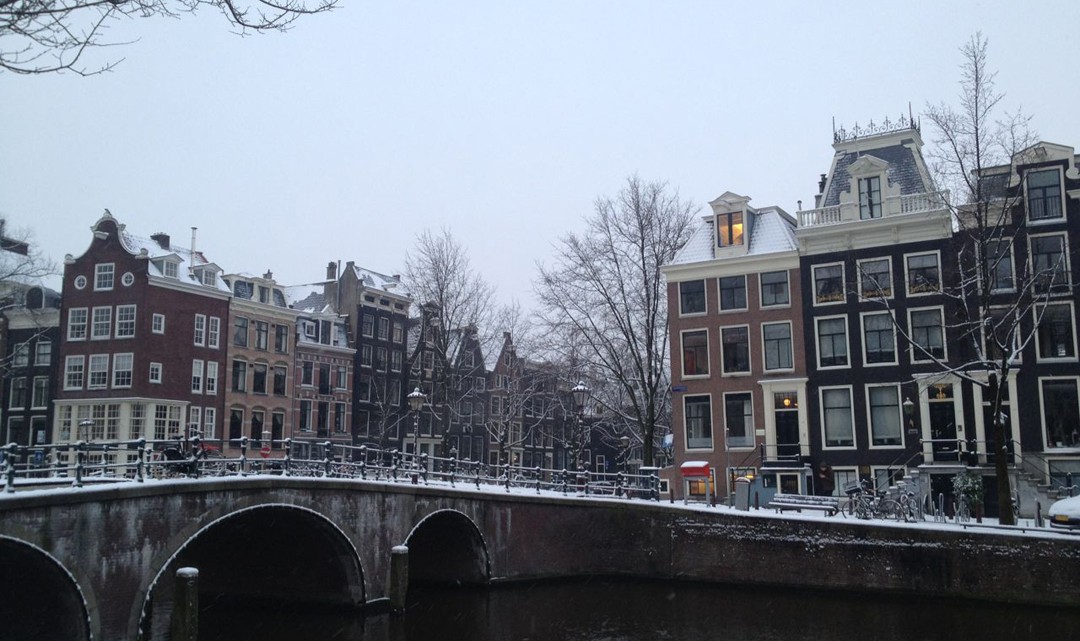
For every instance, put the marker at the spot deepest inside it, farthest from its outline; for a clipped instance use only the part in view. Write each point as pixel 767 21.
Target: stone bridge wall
pixel 115 541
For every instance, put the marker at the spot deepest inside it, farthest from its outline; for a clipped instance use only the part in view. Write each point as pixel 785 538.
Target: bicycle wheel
pixel 862 508
pixel 889 509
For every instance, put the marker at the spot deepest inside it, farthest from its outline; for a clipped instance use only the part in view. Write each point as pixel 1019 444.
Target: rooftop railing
pixel 891 206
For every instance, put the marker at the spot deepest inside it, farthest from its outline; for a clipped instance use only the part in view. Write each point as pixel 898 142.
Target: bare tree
pixel 457 312
pixel 976 157
pixel 606 291
pixel 46 36
pixel 22 268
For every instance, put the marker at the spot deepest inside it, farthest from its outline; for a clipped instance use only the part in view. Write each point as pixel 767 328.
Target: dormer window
pixel 1044 194
pixel 209 277
pixel 167 267
pixel 870 197
pixel 729 229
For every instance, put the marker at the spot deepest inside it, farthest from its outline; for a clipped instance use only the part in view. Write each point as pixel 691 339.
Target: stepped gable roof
pixel 903 171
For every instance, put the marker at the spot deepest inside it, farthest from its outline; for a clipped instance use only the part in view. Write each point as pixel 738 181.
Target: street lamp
pixel 84 429
pixel 909 412
pixel 581 395
pixel 416 400
pixel 624 440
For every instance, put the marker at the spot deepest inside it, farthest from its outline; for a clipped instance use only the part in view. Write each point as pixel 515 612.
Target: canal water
pixel 613 610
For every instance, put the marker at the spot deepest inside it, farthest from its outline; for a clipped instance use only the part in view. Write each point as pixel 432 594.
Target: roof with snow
pixel 773 231
pixel 374 279
pixel 160 249
pixel 308 298
pixel 903 170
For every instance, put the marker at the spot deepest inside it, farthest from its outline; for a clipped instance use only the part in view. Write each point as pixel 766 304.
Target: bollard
pixel 185 614
pixel 399 578
pixel 1038 515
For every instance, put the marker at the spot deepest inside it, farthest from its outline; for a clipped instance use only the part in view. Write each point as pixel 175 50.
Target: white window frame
pixel 97 364
pixel 157 323
pixel 892 328
pixel 123 366
pixel 1062 197
pixel 197 367
pixel 1058 287
pixel 750 429
pixel 199 337
pixel 211 383
pixel 891 292
pixel 156 373
pixel 870 416
pixel 712 424
pixel 765 351
pixel 907 273
pixel 1038 342
pixel 71 364
pixel 213 332
pixel 1047 443
pixel 720 298
pixel 1008 242
pixel 787 288
pixel 104 277
pixel 817 341
pixel 851 416
pixel 43 352
pixel 917 355
pixel 73 324
pixel 104 322
pixel 125 328
pixel 843 284
pixel 682 354
pixel 704 297
pixel 749 352
pixel 42 383
pixel 209 429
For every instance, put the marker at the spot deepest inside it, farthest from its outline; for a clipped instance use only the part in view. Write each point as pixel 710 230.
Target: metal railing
pixel 892 206
pixel 78 463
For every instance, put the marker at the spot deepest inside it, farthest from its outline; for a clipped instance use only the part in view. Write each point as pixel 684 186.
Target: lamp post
pixel 84 429
pixel 909 412
pixel 581 395
pixel 416 400
pixel 624 440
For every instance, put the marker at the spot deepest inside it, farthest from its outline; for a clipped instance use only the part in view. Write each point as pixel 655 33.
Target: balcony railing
pixel 892 206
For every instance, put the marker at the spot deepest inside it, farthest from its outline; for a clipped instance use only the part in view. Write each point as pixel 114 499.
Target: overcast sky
pixel 502 121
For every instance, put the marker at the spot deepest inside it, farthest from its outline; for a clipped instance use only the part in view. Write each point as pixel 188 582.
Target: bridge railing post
pixel 539 478
pixel 565 480
pixel 477 471
pixel 243 455
pixel 328 458
pixel 80 462
pixel 619 484
pixel 363 461
pixel 506 476
pixel 140 465
pixel 588 478
pixel 654 490
pixel 10 451
pixel 288 456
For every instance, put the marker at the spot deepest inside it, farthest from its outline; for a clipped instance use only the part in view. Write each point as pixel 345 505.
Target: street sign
pixel 678 388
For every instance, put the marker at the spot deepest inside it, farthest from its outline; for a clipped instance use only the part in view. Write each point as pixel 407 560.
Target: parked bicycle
pixel 867 503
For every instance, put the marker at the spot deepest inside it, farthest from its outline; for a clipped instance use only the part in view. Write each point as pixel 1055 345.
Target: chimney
pixel 193 229
pixel 821 184
pixel 162 239
pixel 331 271
pixel 269 275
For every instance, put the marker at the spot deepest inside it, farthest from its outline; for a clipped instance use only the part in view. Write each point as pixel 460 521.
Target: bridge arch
pixel 446 548
pixel 39 597
pixel 273 553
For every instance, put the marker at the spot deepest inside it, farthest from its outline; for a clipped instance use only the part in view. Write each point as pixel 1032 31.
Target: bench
pixel 828 504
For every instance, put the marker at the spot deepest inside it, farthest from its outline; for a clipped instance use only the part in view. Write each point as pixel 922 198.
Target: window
pixel 281 339
pixel 277 425
pixel 367 325
pixel 875 278
pixel 698 418
pixel 324 378
pixel 774 289
pixel 777 341
pixel 832 342
pixel 1000 334
pixel 155 372
pixel 157 323
pixel 1049 263
pixel 342 381
pixel 208 277
pixel 870 197
pixel 262 335
pixel 733 292
pixel 885 423
pixel 1060 412
pixel 380 359
pixel 1055 334
pixel 395 360
pixel 258 378
pixel 879 339
pixel 40 399
pixel 307 373
pixel 211 377
pixel 213 332
pixel 923 275
pixel 363 391
pixel 927 334
pixel 197 367
pixel 240 332
pixel 692 297
pixel 168 268
pixel 236 423
pixel 98 376
pixel 695 349
pixel 280 376
pixel 101 325
pixel 123 365
pixel 399 332
pixel 729 229
pixel 17 397
pixel 239 376
pixel 735 348
pixel 828 284
pixel 77 317
pixel 837 418
pixel 209 421
pixel 739 419
pixel 43 352
pixel 104 275
pixel 1044 194
pixel 305 416
pixel 21 356
pixel 384 329
pixel 365 355
pixel 200 329
pixel 999 264
pixel 339 418
pixel 125 321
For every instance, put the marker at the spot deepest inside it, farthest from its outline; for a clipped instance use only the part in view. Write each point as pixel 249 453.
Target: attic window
pixel 209 277
pixel 242 289
pixel 729 229
pixel 168 268
pixel 870 197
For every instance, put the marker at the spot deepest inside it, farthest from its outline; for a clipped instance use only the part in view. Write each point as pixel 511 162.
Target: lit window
pixel 729 229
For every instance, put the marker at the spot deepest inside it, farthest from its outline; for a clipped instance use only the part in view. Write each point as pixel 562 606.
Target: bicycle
pixel 866 503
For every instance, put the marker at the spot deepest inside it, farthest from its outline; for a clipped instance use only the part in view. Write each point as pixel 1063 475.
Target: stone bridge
pixel 99 562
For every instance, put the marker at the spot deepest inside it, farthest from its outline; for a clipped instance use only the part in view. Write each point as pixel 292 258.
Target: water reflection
pixel 606 610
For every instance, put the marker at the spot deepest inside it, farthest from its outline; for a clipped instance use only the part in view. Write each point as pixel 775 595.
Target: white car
pixel 1065 513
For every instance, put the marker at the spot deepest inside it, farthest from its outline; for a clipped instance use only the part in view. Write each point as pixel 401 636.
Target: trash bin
pixel 742 493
